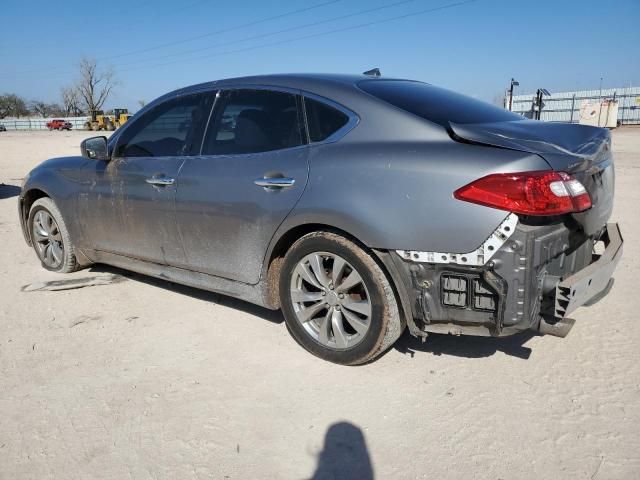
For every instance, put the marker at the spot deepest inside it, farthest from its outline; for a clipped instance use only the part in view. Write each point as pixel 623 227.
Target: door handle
pixel 162 181
pixel 275 182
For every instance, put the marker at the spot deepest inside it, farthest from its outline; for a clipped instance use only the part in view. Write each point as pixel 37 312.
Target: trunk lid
pixel 580 150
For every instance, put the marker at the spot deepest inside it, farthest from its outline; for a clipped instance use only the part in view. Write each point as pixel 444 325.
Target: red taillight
pixel 528 193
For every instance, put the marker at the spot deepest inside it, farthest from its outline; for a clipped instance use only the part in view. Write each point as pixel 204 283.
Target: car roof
pixel 290 79
pixel 301 81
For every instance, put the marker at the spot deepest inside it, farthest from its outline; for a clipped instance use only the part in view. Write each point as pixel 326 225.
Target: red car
pixel 59 124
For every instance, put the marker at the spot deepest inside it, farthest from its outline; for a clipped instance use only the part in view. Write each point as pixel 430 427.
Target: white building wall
pixel 565 106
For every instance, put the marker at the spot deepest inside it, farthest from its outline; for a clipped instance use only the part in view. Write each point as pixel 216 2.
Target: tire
pixel 347 324
pixel 54 233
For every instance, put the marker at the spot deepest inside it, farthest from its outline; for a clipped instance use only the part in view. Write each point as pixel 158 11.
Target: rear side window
pixel 173 128
pixel 253 121
pixel 436 104
pixel 323 120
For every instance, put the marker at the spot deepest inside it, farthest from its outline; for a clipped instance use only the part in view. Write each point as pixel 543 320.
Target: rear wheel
pixel 50 237
pixel 337 302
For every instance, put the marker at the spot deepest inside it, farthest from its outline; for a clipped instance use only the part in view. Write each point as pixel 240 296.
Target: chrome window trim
pixel 221 155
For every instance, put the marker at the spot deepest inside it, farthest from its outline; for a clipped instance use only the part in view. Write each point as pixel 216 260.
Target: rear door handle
pixel 160 180
pixel 275 182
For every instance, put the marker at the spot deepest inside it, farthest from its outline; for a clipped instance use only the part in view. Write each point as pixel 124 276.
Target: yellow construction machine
pixel 100 121
pixel 120 116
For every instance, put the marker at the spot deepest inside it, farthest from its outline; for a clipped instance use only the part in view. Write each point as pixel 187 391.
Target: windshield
pixel 436 104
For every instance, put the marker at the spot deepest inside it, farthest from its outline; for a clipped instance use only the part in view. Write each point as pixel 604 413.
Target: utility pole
pixel 600 101
pixel 538 103
pixel 514 83
pixel 573 106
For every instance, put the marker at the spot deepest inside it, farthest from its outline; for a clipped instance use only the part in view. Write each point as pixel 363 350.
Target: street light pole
pixel 516 84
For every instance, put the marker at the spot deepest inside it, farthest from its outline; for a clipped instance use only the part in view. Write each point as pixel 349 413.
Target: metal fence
pixel 565 106
pixel 40 123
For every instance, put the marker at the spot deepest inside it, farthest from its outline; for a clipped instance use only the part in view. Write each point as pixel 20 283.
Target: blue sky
pixel 474 47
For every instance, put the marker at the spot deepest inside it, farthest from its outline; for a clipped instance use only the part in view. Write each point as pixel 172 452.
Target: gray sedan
pixel 360 206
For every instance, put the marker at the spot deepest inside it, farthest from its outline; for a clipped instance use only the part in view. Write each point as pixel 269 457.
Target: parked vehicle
pixel 59 124
pixel 357 205
pixel 3 128
pixel 120 117
pixel 99 121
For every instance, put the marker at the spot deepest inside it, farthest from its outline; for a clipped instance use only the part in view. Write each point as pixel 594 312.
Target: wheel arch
pixel 280 246
pixel 24 206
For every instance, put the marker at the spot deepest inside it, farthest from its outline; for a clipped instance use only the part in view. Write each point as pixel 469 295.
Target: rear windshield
pixel 436 104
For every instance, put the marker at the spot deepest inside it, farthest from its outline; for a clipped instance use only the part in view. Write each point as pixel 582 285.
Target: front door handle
pixel 275 182
pixel 162 181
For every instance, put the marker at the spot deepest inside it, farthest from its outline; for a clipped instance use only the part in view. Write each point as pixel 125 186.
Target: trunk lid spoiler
pixel 566 147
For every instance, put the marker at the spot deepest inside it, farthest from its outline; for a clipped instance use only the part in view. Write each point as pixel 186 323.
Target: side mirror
pixel 95 148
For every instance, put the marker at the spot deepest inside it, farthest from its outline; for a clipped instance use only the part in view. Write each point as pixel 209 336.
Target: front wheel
pixel 50 237
pixel 337 302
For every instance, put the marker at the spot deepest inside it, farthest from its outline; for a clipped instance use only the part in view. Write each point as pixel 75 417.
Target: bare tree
pixel 142 103
pixel 71 101
pixel 39 108
pixel 95 84
pixel 46 109
pixel 55 110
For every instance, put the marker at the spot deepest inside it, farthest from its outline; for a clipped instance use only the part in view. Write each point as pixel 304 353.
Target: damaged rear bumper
pixel 588 283
pixel 539 276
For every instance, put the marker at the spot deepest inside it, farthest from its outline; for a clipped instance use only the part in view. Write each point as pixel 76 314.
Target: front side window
pixel 323 120
pixel 173 128
pixel 253 121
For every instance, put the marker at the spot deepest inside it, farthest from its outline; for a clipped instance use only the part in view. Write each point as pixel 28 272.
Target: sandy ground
pixel 143 379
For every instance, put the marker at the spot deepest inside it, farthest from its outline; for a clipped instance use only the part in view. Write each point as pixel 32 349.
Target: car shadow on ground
pixel 8 191
pixel 219 299
pixel 436 344
pixel 466 345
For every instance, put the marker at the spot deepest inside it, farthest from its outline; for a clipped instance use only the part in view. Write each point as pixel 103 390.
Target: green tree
pixel 11 105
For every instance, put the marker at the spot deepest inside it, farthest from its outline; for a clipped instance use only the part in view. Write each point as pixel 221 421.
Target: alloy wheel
pixel 330 300
pixel 48 239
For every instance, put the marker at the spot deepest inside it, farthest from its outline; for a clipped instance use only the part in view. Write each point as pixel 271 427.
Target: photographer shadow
pixel 8 191
pixel 344 455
